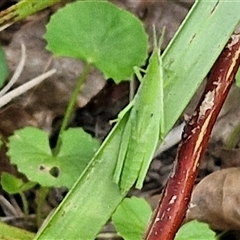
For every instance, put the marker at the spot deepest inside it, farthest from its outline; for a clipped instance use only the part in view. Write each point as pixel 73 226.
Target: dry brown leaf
pixel 216 200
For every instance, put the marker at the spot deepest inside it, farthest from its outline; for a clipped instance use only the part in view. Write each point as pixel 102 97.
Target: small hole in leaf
pixel 54 171
pixel 41 168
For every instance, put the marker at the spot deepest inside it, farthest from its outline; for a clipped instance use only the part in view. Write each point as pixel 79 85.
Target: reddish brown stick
pixel 176 195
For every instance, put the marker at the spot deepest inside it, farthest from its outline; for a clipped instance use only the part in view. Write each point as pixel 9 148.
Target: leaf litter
pixel 44 106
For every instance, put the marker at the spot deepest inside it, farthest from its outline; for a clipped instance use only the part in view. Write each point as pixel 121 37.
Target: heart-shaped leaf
pixel 99 33
pixel 29 150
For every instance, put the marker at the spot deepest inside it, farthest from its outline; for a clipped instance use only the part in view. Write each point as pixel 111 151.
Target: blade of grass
pixel 3 68
pixel 22 10
pixel 189 57
pixel 102 166
pixel 191 54
pixel 176 195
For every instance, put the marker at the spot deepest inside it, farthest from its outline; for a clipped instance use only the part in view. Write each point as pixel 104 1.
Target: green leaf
pixel 195 230
pixel 12 233
pixel 199 39
pixel 23 9
pixel 95 211
pixel 12 184
pixel 3 68
pixel 190 55
pixel 29 150
pixel 100 33
pixel 131 218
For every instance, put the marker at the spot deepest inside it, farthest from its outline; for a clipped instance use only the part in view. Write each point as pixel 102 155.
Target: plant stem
pixel 25 204
pixel 176 195
pixel 71 105
pixel 41 199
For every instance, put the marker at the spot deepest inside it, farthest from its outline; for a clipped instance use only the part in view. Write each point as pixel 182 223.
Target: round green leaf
pixel 195 230
pixel 99 33
pixel 131 218
pixel 29 150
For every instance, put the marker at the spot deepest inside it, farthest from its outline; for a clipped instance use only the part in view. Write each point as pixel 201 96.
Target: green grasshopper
pixel 144 127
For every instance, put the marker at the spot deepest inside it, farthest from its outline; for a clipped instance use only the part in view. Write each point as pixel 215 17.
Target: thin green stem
pixel 25 204
pixel 41 200
pixel 71 105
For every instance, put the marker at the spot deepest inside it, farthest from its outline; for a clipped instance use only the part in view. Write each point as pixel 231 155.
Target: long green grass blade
pixel 23 9
pixel 187 61
pixel 98 178
pixel 3 68
pixel 191 54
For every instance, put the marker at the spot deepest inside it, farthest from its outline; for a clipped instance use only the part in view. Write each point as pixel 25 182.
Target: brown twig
pixel 176 195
